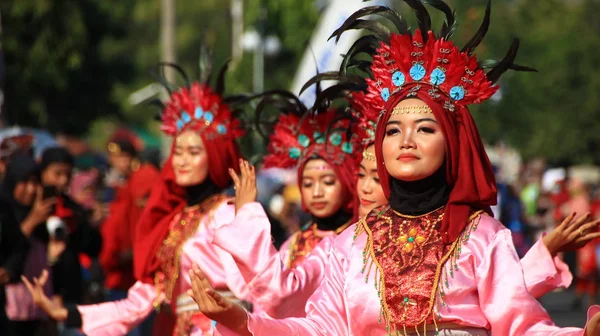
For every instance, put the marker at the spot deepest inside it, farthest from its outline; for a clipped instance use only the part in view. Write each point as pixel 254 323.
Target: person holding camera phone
pixel 68 227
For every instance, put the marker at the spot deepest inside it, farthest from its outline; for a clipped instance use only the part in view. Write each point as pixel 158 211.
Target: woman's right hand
pixel 244 184
pixel 216 307
pixel 41 209
pixel 41 300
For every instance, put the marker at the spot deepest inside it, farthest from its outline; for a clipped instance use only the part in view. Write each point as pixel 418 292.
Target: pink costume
pixel 486 291
pixel 283 292
pixel 117 318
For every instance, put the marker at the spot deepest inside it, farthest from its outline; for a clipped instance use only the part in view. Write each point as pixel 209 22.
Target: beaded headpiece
pixel 409 63
pixel 295 138
pixel 197 105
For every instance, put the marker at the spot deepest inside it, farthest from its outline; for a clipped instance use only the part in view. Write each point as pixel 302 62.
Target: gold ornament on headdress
pixel 114 148
pixel 411 109
pixel 368 155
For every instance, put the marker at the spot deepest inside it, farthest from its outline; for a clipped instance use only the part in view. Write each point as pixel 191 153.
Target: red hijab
pixel 468 169
pixel 168 199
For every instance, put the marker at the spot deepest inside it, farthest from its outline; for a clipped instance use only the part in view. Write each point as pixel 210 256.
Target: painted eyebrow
pixel 397 122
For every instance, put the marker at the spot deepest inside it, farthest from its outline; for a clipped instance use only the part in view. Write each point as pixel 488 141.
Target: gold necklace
pixel 417 216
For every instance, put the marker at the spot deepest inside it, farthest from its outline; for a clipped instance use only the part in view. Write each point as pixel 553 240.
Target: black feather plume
pixel 483 29
pixel 423 17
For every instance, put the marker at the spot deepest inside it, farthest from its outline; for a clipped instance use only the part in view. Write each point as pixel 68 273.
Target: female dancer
pixel 444 265
pixel 183 212
pixel 326 159
pixel 285 291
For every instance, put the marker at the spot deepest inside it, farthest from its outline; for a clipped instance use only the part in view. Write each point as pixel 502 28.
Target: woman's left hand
pixel 572 234
pixel 216 307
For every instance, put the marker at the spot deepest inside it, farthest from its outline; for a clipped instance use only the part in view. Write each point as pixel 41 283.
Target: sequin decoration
pixel 457 93
pixel 438 76
pixel 185 224
pixel 385 94
pixel 198 113
pixel 303 140
pixel 417 72
pixel 407 255
pixel 295 152
pixel 398 78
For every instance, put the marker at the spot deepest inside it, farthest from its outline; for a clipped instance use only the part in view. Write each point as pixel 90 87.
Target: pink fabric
pixel 117 318
pixel 19 303
pixel 275 289
pixel 282 292
pixel 488 291
pixel 543 273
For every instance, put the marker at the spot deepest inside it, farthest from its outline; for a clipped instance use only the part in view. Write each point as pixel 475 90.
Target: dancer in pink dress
pixel 432 260
pixel 326 152
pixel 186 207
pixel 283 291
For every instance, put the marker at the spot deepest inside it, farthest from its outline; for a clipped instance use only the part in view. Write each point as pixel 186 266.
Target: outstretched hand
pixel 572 234
pixel 214 306
pixel 593 325
pixel 244 184
pixel 41 300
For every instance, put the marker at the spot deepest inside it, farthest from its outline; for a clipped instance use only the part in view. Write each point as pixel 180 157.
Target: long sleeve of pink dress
pixel 544 273
pixel 487 292
pixel 117 318
pixel 276 289
pixel 283 292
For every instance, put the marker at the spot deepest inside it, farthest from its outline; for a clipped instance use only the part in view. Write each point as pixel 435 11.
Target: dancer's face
pixel 190 160
pixel 322 191
pixel 413 147
pixel 369 190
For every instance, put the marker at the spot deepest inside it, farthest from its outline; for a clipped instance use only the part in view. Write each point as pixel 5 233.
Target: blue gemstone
pixel 185 117
pixel 335 139
pixel 303 140
pixel 198 113
pixel 222 129
pixel 318 136
pixel 437 76
pixel 417 72
pixel 457 93
pixel 398 78
pixel 179 124
pixel 385 94
pixel 295 153
pixel 209 117
pixel 347 147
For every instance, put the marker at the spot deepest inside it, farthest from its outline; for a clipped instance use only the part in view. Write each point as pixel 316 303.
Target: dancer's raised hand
pixel 244 184
pixel 573 233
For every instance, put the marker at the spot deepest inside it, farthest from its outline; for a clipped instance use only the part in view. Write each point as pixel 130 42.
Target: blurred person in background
pixel 22 192
pixel 587 266
pixel 14 245
pixel 118 230
pixel 69 224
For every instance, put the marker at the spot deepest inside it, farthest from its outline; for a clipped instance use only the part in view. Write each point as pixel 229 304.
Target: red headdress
pixel 199 108
pixel 301 134
pixel 434 70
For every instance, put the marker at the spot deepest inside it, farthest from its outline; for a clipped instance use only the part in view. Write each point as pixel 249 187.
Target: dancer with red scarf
pixel 184 210
pixel 326 151
pixel 432 259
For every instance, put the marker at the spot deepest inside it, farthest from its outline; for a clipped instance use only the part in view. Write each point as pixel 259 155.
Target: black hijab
pixel 420 197
pixel 20 168
pixel 198 193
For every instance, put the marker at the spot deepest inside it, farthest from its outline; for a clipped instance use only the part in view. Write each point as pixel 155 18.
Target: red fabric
pixel 118 230
pixel 167 199
pixel 468 169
